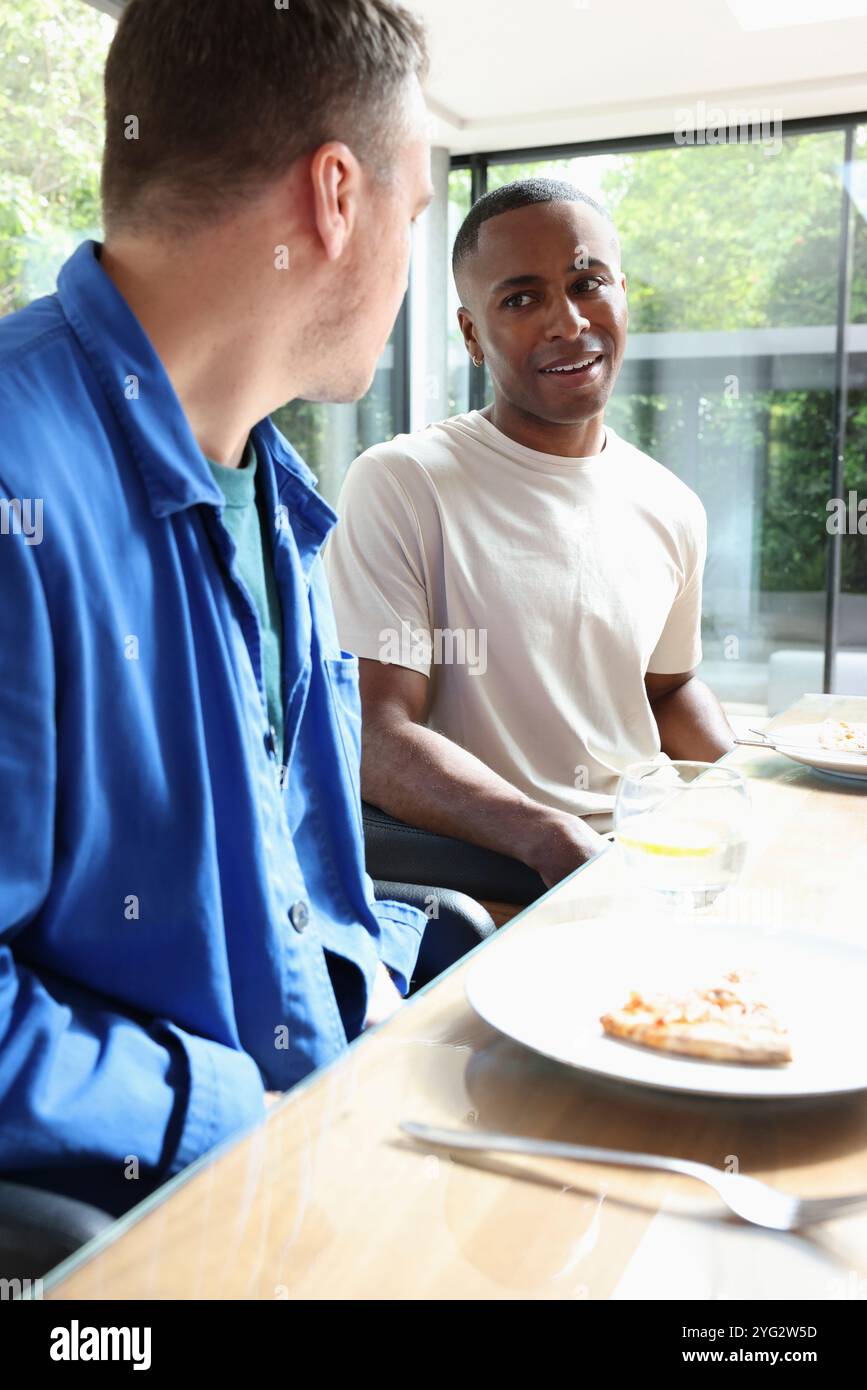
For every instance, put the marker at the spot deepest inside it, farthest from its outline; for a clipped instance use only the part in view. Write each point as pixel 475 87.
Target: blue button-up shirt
pixel 184 921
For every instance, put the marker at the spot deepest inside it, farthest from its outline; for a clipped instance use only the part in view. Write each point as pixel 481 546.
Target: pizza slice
pixel 842 737
pixel 725 1022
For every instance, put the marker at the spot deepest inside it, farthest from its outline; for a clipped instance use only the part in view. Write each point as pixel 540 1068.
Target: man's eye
pixel 588 284
pixel 510 302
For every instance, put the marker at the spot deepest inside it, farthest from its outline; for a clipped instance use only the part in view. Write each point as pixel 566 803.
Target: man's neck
pixel 207 335
pixel 582 440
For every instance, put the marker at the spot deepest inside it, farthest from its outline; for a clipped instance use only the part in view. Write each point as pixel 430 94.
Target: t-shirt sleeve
pixel 374 560
pixel 679 646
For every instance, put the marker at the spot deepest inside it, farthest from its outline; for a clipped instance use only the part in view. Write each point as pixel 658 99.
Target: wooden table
pixel 325 1199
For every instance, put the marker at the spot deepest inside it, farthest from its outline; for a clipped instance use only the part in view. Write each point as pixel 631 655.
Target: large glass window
pixel 733 258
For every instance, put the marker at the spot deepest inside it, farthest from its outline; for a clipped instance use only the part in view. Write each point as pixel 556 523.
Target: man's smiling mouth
pixel 575 368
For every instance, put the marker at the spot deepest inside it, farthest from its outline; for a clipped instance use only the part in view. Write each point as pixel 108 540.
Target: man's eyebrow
pixel 513 281
pixel 593 263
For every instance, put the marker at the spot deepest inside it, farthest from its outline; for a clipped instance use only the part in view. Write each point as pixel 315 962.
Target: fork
pixel 751 1200
pixel 760 739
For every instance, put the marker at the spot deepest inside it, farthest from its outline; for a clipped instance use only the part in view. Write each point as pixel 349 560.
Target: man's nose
pixel 565 319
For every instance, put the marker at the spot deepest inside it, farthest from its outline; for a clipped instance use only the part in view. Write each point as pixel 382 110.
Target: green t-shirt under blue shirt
pixel 255 564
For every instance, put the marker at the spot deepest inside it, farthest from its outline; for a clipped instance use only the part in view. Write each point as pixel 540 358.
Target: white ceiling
pixel 511 73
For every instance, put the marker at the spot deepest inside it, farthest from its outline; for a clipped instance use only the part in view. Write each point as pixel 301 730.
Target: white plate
pixel 547 989
pixel 801 742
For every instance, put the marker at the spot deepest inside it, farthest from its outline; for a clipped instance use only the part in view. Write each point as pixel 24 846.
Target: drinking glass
pixel 683 828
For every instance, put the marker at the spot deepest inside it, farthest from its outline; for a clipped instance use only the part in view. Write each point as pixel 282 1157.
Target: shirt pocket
pixel 342 673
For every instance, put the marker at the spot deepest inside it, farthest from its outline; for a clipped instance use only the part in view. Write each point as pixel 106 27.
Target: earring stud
pixel 477 361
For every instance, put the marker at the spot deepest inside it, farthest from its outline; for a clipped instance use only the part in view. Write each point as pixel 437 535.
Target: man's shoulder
pixel 429 450
pixel 657 481
pixel 42 395
pixel 28 334
pixel 39 367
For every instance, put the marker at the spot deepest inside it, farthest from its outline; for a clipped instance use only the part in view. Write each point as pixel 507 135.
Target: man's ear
pixel 335 181
pixel 468 329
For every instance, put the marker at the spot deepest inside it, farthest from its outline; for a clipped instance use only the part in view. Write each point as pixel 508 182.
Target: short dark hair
pixel 520 194
pixel 227 94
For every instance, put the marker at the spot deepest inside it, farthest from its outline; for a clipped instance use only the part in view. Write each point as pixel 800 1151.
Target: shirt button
pixel 271 741
pixel 299 915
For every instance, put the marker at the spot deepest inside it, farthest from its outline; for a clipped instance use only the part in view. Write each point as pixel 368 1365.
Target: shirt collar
pixel 173 468
pixel 294 502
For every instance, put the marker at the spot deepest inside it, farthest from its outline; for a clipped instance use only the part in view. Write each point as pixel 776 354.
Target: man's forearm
pixel 422 777
pixel 692 724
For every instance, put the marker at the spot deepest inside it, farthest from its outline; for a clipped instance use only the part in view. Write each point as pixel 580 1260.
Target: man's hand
pixel 385 999
pixel 559 843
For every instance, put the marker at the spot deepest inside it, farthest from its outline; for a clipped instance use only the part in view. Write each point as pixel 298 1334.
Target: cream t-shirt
pixel 534 591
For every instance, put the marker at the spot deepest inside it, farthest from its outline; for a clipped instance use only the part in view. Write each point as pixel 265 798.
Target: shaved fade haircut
pixel 522 193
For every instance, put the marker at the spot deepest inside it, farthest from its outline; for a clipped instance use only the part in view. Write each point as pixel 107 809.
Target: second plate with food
pixel 802 743
pixel 548 988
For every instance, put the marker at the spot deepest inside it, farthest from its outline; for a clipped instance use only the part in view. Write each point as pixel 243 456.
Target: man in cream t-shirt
pixel 522 586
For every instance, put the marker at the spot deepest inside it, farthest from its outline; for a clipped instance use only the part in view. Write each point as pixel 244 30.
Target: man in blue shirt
pixel 185 918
